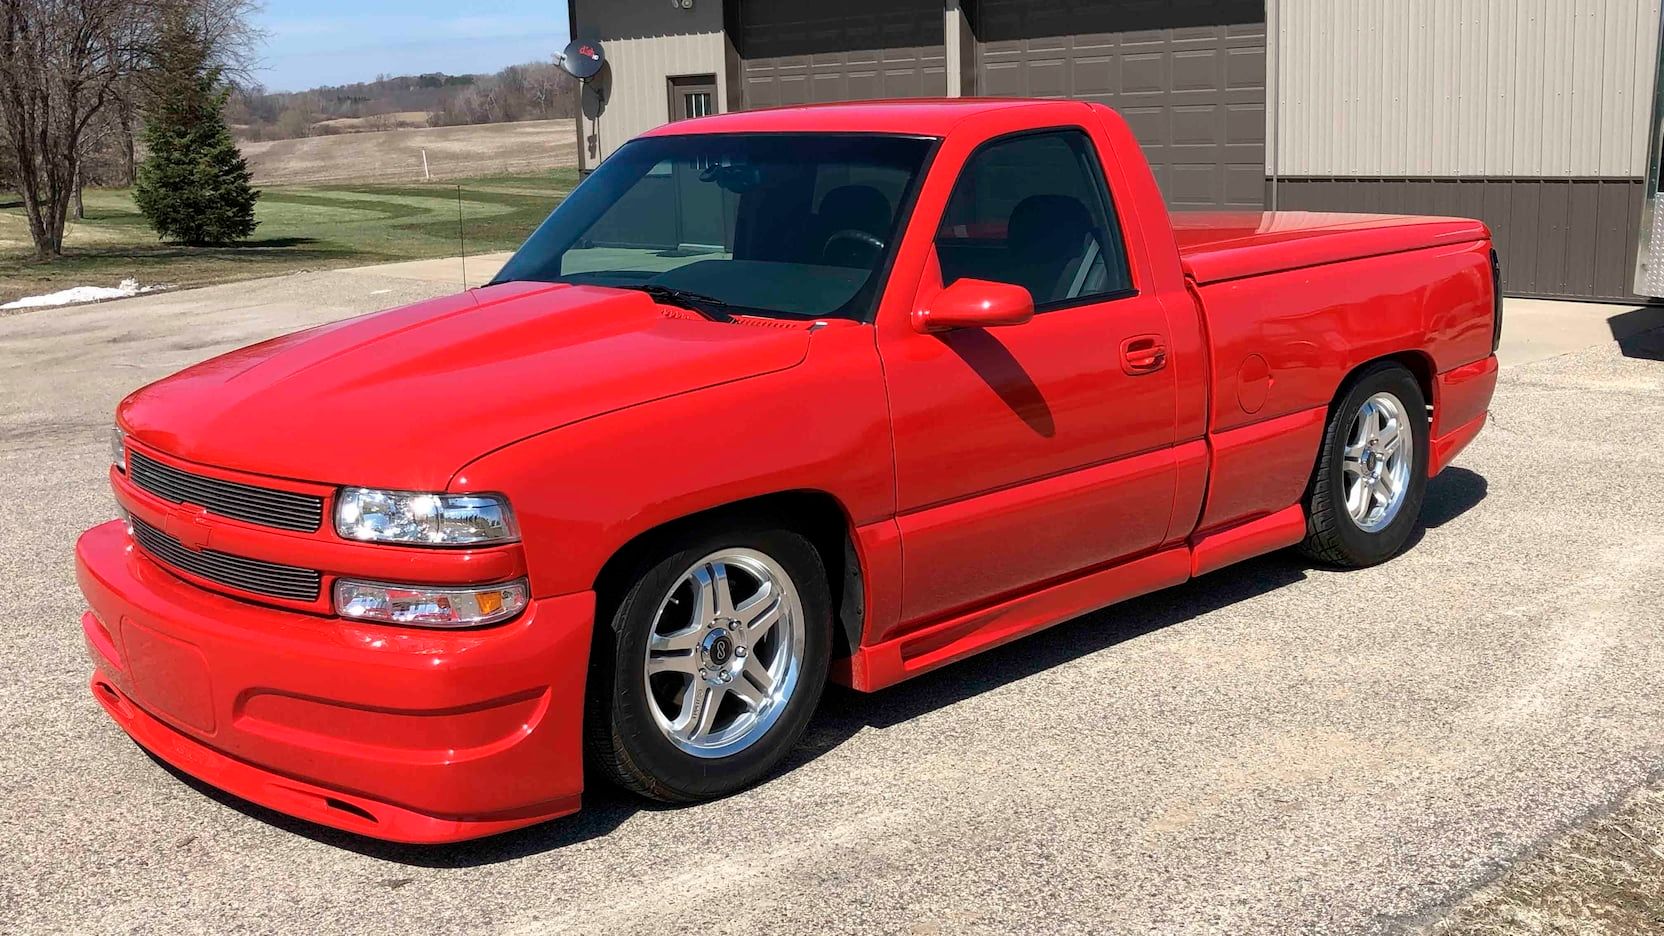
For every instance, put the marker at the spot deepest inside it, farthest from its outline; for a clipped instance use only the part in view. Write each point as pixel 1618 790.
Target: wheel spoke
pixel 1390 449
pixel 708 713
pixel 753 695
pixel 699 711
pixel 759 675
pixel 1351 465
pixel 746 611
pixel 1366 423
pixel 715 599
pixel 686 663
pixel 760 617
pixel 1390 432
pixel 1357 498
pixel 686 639
pixel 1389 487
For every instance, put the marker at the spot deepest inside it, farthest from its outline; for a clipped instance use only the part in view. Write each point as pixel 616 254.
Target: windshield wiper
pixel 709 306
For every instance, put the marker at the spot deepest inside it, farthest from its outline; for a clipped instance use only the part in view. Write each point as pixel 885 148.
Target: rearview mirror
pixel 973 303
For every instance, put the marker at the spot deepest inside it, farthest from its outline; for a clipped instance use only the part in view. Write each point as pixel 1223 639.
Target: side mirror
pixel 973 303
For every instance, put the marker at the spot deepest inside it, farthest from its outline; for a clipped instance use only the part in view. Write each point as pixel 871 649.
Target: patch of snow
pixel 79 294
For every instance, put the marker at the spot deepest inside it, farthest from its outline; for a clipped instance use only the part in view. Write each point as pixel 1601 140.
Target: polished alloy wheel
pixel 725 653
pixel 1376 464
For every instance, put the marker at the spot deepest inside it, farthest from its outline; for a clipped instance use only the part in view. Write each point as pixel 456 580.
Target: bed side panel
pixel 1281 344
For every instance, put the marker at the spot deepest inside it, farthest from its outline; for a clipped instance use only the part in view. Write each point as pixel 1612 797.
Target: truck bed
pixel 1217 246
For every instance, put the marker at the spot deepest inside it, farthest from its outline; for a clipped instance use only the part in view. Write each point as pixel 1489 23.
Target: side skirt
pixel 881 665
pixel 885 664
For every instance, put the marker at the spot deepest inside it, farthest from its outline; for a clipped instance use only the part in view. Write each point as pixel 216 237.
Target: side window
pixel 1033 210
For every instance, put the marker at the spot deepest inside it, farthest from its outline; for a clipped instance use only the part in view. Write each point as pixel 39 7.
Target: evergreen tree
pixel 194 186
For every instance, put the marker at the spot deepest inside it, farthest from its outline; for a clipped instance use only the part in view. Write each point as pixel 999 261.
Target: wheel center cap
pixel 719 647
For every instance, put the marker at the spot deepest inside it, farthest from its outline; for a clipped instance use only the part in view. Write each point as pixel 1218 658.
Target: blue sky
pixel 331 42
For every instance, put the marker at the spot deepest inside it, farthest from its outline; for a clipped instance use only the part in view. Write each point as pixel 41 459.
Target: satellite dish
pixel 582 58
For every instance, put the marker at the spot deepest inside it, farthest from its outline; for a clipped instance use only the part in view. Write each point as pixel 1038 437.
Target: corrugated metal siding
pixel 1462 87
pixel 640 101
pixel 1572 238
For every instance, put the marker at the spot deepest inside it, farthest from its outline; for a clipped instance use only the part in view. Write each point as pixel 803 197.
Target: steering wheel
pixel 857 236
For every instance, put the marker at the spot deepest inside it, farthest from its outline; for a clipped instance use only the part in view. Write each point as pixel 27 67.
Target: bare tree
pixel 66 63
pixel 59 60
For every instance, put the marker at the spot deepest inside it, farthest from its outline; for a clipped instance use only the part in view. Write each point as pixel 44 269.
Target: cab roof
pixel 933 117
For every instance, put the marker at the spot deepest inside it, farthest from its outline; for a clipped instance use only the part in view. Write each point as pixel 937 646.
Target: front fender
pixel 581 492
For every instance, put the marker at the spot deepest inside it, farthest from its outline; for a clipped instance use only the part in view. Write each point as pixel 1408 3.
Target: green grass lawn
pixel 301 228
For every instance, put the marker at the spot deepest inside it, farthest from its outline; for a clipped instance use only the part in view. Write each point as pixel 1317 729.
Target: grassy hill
pixel 396 155
pixel 302 227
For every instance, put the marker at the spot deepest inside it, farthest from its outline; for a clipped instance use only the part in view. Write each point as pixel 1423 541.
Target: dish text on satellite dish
pixel 582 58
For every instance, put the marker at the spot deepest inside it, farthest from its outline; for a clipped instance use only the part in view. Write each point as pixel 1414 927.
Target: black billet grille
pixel 250 575
pixel 284 510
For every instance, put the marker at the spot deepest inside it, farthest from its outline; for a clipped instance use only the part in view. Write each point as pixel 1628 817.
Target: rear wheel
pixel 713 662
pixel 1371 477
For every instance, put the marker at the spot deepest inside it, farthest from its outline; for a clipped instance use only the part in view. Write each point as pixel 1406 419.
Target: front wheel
pixel 1371 476
pixel 713 662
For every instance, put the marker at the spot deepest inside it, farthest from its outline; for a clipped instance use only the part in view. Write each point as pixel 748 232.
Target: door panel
pixel 1015 538
pixel 1015 452
pixel 1032 452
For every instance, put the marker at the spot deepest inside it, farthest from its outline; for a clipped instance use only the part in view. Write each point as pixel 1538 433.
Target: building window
pixel 692 96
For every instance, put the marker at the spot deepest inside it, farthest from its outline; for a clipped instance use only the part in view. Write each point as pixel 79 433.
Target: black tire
pixel 624 743
pixel 1332 536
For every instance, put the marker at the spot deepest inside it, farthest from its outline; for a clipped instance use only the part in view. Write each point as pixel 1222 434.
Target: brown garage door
pixel 1188 75
pixel 793 52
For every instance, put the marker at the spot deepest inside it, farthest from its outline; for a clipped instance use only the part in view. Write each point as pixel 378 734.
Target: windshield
pixel 773 224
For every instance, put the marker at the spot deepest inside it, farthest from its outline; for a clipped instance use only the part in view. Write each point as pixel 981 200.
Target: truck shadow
pixel 844 713
pixel 1639 332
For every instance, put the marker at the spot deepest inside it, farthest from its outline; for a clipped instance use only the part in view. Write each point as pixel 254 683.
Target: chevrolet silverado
pixel 772 398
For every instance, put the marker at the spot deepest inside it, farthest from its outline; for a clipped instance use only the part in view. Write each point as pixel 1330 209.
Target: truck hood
pixel 405 398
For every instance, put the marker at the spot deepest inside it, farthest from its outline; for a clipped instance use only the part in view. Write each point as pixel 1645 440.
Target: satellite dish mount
pixel 584 60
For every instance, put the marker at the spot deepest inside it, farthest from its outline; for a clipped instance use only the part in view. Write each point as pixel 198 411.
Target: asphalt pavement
pixel 1271 748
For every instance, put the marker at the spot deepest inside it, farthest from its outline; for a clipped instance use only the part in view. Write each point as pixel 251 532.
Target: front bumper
pixel 396 733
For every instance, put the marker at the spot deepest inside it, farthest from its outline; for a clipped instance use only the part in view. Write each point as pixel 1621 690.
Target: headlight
pixel 118 448
pixel 423 519
pixel 430 606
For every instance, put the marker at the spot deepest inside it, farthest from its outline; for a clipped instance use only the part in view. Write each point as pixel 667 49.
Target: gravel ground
pixel 1272 748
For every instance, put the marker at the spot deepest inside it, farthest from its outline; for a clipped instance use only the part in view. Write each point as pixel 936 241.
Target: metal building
pixel 1533 115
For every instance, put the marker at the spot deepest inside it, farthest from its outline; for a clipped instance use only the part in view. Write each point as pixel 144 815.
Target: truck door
pixel 1028 453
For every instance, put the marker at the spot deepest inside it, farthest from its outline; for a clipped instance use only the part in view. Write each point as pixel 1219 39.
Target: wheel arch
pixel 814 514
pixel 1418 363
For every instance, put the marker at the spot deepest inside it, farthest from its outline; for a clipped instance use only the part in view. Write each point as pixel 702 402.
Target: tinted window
pixel 781 224
pixel 1033 210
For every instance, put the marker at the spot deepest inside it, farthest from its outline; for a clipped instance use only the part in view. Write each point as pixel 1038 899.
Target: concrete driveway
pixel 1270 748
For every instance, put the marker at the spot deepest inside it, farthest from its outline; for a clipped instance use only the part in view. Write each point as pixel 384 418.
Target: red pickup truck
pixel 845 392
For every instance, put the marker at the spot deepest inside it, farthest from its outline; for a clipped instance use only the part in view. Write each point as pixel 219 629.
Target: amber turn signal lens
pixel 430 606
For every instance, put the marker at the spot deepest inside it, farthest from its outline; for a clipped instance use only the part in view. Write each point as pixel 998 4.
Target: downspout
pixel 1274 103
pixel 951 38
